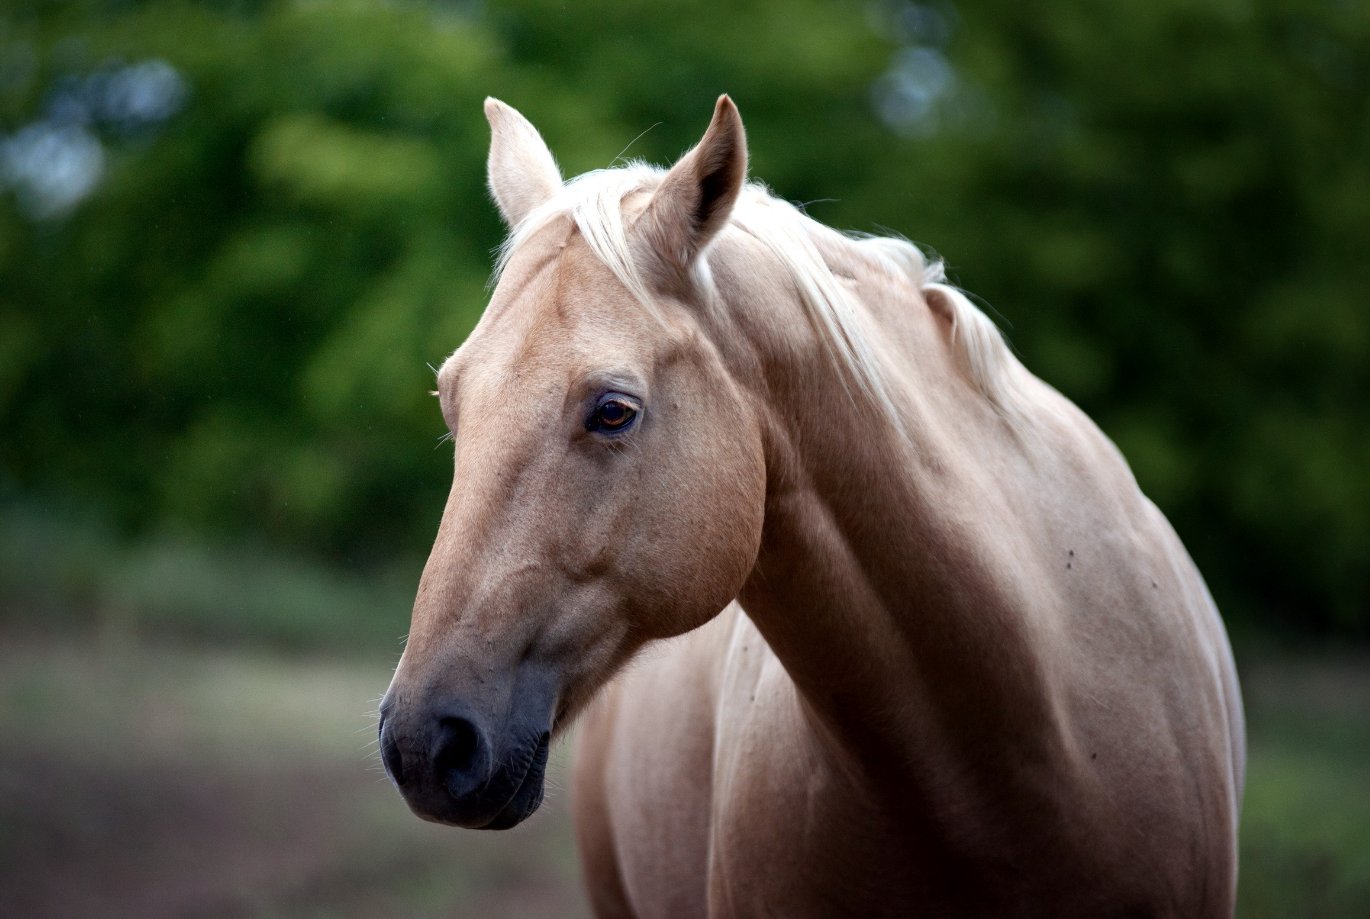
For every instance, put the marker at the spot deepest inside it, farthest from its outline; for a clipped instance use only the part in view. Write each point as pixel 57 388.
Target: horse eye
pixel 612 414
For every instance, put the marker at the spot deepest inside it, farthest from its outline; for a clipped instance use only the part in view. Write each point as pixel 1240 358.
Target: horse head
pixel 609 478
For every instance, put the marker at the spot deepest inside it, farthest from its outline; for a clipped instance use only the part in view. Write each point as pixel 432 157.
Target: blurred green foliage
pixel 1170 203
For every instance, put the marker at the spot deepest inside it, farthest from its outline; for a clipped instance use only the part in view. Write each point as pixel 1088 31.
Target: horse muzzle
pixel 455 765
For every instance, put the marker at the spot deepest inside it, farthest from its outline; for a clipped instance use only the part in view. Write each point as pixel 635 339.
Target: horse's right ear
pixel 697 196
pixel 521 171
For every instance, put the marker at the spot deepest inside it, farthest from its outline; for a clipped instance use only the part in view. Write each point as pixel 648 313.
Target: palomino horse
pixel 970 669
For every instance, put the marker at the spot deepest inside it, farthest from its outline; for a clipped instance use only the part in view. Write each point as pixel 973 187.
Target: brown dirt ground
pixel 173 782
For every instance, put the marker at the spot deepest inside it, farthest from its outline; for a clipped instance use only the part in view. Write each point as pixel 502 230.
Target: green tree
pixel 1169 203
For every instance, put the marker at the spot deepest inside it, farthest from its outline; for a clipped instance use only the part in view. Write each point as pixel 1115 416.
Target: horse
pixel 907 638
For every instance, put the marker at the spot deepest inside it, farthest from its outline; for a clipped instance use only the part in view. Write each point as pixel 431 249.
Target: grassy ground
pixel 161 780
pixel 1306 822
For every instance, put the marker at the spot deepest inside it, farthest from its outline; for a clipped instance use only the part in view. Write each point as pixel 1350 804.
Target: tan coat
pixel 973 671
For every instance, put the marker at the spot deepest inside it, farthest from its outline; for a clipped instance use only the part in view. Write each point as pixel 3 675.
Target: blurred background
pixel 236 236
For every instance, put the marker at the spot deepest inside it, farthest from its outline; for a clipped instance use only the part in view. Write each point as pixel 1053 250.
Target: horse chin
pixel 528 796
pixel 520 809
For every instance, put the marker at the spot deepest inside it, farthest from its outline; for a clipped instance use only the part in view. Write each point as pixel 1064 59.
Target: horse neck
pixel 888 582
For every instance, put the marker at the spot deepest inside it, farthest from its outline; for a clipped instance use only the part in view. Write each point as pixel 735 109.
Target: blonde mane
pixel 594 202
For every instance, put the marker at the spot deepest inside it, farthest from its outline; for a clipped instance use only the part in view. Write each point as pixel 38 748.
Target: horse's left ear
pixel 696 198
pixel 521 170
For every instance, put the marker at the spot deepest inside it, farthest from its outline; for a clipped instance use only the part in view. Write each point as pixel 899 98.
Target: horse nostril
pixel 457 762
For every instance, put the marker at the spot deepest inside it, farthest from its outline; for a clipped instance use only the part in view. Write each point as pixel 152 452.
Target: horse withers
pixel 915 643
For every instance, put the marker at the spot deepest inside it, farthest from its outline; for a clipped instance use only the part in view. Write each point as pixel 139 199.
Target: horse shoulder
pixel 1149 683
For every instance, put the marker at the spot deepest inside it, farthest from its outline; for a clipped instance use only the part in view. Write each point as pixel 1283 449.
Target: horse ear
pixel 521 171
pixel 696 198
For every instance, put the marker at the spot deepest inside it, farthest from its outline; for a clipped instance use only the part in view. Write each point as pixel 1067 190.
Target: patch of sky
pixel 56 161
pixel 909 96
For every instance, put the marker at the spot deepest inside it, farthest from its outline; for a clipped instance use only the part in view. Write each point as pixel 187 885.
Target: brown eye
pixel 612 414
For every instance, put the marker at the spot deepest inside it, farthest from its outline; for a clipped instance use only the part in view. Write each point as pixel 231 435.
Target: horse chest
pixel 790 835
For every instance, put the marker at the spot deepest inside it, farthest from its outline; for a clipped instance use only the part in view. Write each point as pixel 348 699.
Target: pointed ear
pixel 521 171
pixel 696 198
